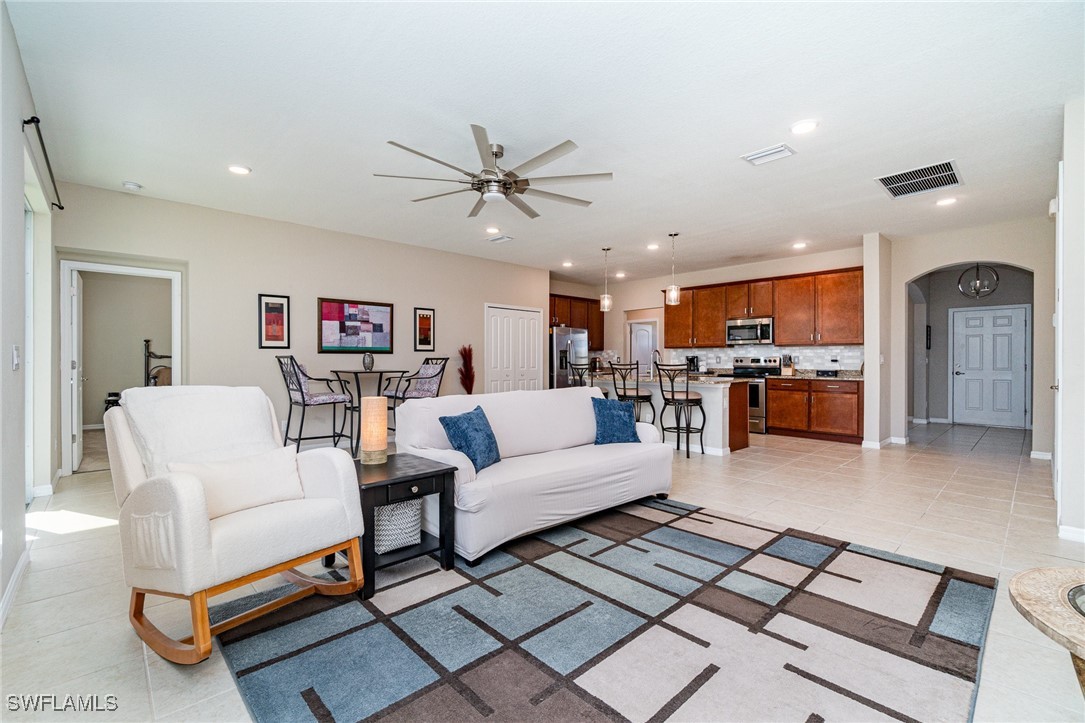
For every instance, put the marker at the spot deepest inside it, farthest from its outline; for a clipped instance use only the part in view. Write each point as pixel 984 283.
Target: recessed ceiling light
pixel 493 229
pixel 131 186
pixel 620 275
pixel 804 126
pixel 566 263
pixel 799 245
pixel 240 170
pixel 947 202
pixel 653 247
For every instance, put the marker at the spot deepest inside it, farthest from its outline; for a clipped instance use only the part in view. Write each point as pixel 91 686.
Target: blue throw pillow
pixel 614 421
pixel 471 434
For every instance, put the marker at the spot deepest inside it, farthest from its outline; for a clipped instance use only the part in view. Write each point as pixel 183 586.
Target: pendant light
pixel 674 291
pixel 606 301
pixel 984 281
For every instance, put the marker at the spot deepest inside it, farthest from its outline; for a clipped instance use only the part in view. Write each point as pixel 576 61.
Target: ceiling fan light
pixel 673 295
pixel 493 196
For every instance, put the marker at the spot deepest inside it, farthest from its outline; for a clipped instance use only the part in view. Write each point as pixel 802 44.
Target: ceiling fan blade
pixel 579 178
pixel 545 157
pixel 431 158
pixel 556 197
pixel 421 178
pixel 450 193
pixel 477 207
pixel 482 140
pixel 518 202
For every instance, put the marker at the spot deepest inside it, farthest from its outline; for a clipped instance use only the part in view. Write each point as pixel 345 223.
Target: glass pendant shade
pixel 674 295
pixel 606 302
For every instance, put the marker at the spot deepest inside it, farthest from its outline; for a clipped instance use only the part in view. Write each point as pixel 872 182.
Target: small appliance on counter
pixel 693 364
pixel 827 373
pixel 787 365
pixel 756 369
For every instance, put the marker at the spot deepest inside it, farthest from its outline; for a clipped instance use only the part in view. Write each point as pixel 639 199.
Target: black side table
pixel 405 477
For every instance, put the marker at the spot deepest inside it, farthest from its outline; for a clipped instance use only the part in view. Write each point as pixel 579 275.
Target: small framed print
pixel 353 327
pixel 423 329
pixel 274 321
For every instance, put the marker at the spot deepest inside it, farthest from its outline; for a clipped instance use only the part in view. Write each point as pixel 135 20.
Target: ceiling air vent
pixel 921 180
pixel 765 155
pixel 499 239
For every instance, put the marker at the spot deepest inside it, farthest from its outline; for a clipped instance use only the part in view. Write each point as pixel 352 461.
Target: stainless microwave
pixel 749 331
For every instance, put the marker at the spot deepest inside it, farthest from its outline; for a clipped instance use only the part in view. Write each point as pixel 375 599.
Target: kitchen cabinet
pixel 595 326
pixel 697 320
pixel 578 313
pixel 749 301
pixel 828 408
pixel 840 308
pixel 819 309
pixel 560 311
pixel 678 322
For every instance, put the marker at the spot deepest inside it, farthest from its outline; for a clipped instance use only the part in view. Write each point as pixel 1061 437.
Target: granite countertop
pixel 851 375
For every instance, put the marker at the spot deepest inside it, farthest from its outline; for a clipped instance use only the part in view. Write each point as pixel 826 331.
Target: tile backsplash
pixel 806 357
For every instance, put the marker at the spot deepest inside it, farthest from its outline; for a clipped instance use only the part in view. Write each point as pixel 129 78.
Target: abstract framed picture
pixel 353 327
pixel 423 329
pixel 274 316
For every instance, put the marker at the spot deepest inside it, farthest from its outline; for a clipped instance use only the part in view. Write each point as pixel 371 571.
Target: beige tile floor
pixel 965 496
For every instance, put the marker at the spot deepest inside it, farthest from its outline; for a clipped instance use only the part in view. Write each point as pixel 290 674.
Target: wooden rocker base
pixel 197 647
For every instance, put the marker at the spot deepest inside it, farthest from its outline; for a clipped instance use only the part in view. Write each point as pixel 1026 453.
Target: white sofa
pixel 551 471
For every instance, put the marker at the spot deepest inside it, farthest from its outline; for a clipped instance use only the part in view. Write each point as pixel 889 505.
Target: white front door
pixel 77 370
pixel 989 366
pixel 513 349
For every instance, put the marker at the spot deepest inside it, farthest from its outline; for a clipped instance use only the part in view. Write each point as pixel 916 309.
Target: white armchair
pixel 210 500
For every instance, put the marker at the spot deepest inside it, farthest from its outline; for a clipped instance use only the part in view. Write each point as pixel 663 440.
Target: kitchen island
pixel 725 401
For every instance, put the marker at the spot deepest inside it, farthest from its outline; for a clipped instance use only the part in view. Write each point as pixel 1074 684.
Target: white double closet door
pixel 514 356
pixel 989 366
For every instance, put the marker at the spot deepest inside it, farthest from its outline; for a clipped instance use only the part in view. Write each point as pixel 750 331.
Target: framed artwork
pixel 274 316
pixel 353 327
pixel 423 329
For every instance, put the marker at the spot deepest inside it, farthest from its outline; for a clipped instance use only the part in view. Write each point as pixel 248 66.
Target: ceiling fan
pixel 495 183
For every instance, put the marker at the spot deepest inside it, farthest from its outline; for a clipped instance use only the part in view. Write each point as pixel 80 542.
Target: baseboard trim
pixel 919 420
pixel 42 490
pixel 12 587
pixel 898 440
pixel 871 445
pixel 1039 455
pixel 93 426
pixel 1074 534
pixel 939 420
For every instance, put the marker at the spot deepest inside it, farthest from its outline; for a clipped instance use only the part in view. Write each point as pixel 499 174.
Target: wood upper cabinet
pixel 578 313
pixel 678 322
pixel 562 310
pixel 749 301
pixel 794 319
pixel 595 326
pixel 709 323
pixel 840 308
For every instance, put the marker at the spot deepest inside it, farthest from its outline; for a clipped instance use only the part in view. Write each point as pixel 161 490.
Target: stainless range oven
pixel 755 369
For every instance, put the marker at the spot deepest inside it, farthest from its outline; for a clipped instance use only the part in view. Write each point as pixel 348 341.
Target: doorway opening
pixel 113 314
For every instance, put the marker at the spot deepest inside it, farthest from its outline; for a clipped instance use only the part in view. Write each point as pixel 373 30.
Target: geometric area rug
pixel 653 611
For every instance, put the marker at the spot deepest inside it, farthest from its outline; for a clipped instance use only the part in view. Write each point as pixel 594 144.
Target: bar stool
pixel 676 394
pixel 627 388
pixel 582 370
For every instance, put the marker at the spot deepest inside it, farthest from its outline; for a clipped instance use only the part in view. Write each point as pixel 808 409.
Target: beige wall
pixel 568 288
pixel 1014 287
pixel 227 259
pixel 1071 451
pixel 1026 243
pixel 119 312
pixel 877 333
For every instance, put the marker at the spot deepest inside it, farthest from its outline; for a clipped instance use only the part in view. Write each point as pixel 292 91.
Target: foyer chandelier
pixel 978 281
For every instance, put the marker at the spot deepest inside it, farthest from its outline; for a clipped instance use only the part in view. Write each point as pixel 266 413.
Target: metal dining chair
pixel 297 386
pixel 426 382
pixel 674 386
pixel 627 387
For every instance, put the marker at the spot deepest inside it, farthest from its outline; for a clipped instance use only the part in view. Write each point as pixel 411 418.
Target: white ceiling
pixel 667 96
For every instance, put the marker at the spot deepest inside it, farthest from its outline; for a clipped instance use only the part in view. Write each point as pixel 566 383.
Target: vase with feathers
pixel 467 368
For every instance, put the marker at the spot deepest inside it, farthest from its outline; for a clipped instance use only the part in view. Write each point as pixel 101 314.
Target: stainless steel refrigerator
pixel 567 346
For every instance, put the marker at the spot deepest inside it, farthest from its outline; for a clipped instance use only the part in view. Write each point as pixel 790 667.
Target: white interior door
pixel 77 378
pixel 513 349
pixel 989 366
pixel 642 342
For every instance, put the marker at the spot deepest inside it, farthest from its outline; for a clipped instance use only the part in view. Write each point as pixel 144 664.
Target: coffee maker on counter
pixel 693 364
